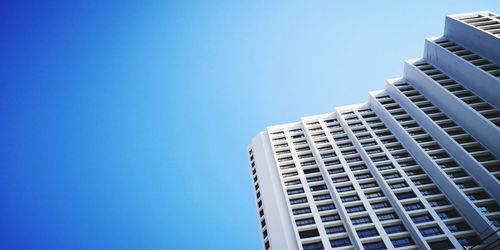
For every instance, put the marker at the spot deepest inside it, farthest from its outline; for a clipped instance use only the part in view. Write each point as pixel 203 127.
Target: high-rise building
pixel 416 167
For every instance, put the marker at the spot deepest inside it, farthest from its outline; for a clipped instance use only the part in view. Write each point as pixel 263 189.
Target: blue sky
pixel 125 124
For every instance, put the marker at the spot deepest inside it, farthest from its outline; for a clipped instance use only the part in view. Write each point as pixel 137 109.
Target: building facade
pixel 416 167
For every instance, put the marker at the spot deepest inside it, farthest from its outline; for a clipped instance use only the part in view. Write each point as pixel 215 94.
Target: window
pixel 298 201
pixel 283 152
pixel 344 189
pixel 303 222
pixel 355 159
pixel 361 220
pixel 468 241
pixel 308 163
pixel 391 176
pixel 398 185
pixel 295 191
pixel 310 171
pixel 421 218
pixel 325 148
pixel 340 179
pixel 430 231
pixel 367 233
pixel 326 207
pixel 294 173
pixel 374 195
pixel 444 244
pixel 402 242
pixel 374 151
pixel 349 152
pixel 305 156
pixel 298 211
pixel 300 142
pixel 369 185
pixel 458 227
pixel 328 218
pixel 293 182
pixel 285 159
pixel 389 216
pixel 422 181
pixel 334 126
pixel 322 141
pixel 287 166
pixel 367 144
pixel 359 167
pixel 405 195
pixel 336 171
pixel 407 163
pixel 413 206
pixel 318 135
pixel 401 155
pixel 322 197
pixel 313 246
pixel 468 184
pixel 377 159
pixel 414 172
pixel 314 179
pixel 363 176
pixel 385 167
pixel 448 214
pixel 331 163
pixel 341 138
pixel 340 242
pixel 431 191
pixel 440 202
pixel 380 205
pixel 394 229
pixel 309 233
pixel 345 145
pixel 379 127
pixel 478 196
pixel 364 137
pixel 334 230
pixel 318 188
pixel 355 209
pixel 379 245
pixel 330 155
pixel 350 198
pixel 388 141
pixel 394 148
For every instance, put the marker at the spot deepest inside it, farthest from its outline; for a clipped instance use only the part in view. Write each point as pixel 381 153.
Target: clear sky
pixel 124 125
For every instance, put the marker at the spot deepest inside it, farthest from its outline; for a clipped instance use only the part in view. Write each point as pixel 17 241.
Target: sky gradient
pixel 124 124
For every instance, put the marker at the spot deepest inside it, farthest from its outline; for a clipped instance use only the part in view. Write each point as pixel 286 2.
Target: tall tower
pixel 416 167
